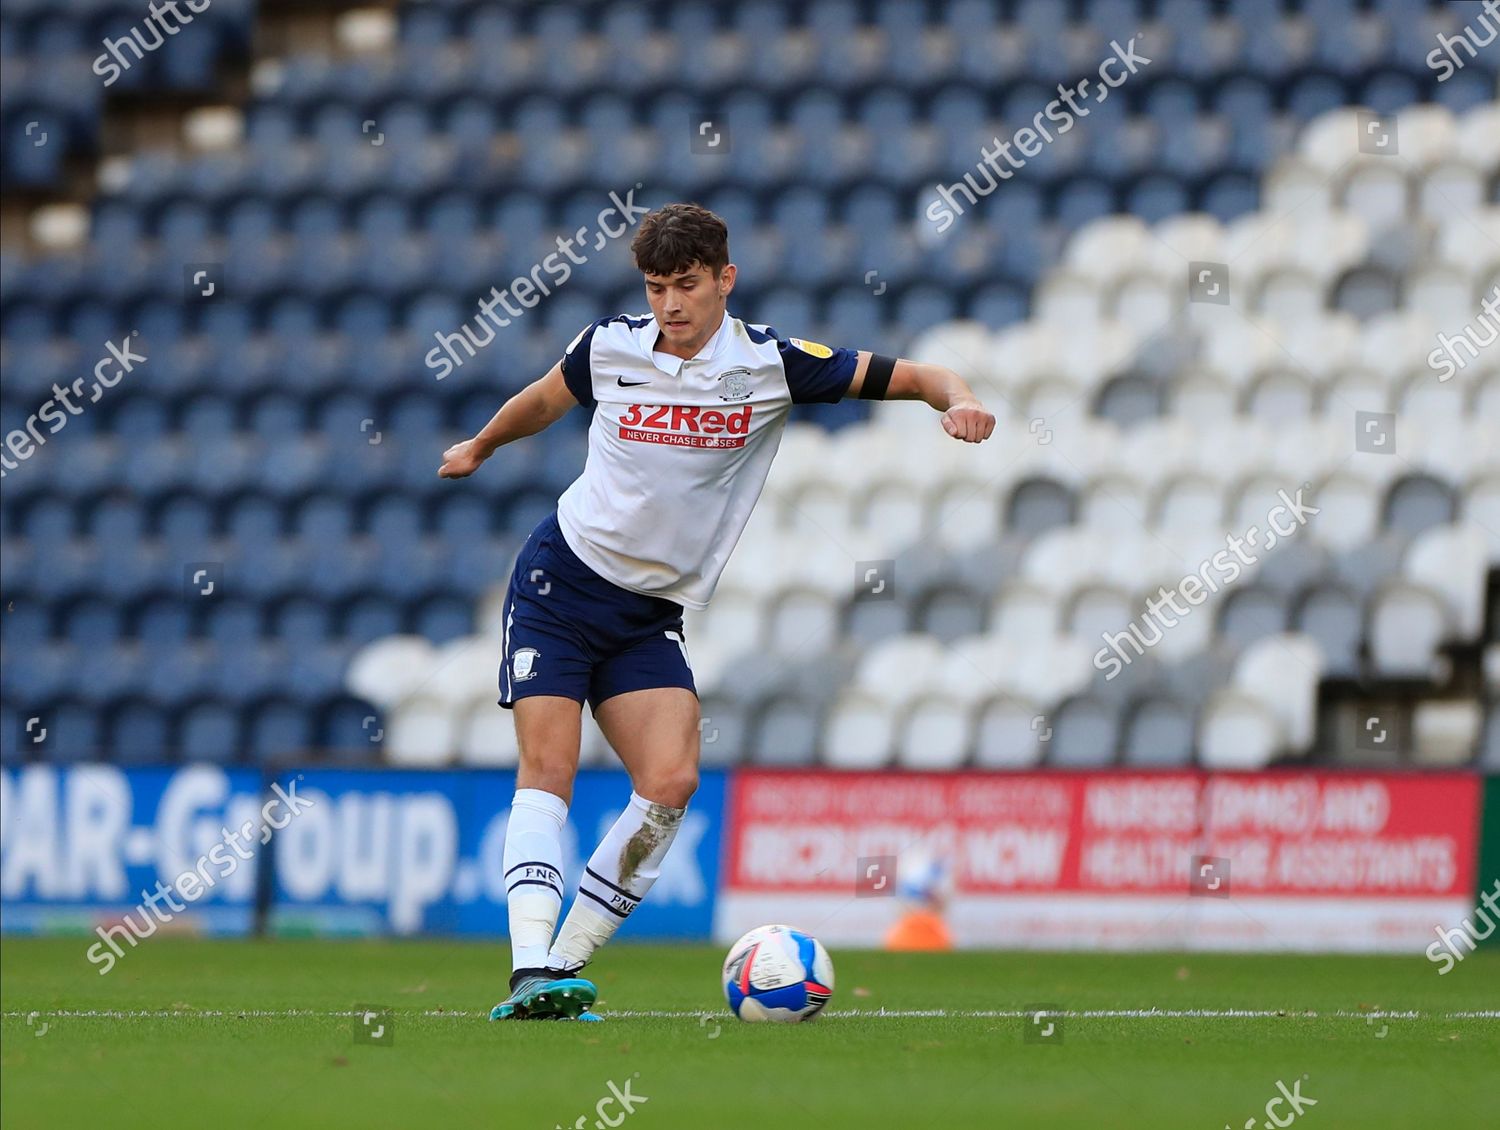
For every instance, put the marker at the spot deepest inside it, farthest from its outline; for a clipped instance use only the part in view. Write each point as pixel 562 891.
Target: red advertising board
pixel 1284 858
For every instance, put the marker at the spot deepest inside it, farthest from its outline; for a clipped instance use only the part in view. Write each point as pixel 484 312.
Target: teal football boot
pixel 535 994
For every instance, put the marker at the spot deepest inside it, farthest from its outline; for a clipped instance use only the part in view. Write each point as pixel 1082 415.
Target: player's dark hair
pixel 676 236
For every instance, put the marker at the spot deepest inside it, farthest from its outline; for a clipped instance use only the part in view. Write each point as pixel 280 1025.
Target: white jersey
pixel 679 449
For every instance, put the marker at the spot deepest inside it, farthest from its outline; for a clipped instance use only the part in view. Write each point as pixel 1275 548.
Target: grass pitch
pixel 186 1032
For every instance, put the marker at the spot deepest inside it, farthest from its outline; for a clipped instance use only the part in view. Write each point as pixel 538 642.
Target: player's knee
pixel 541 771
pixel 673 788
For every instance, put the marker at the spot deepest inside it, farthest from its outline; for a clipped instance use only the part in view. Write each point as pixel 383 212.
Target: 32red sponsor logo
pixel 686 425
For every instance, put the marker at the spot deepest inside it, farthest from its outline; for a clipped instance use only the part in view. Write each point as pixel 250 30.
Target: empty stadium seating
pixel 284 432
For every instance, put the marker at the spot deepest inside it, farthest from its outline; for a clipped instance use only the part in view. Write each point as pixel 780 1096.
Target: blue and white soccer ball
pixel 777 973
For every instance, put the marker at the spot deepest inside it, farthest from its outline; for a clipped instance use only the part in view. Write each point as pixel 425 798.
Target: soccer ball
pixel 777 973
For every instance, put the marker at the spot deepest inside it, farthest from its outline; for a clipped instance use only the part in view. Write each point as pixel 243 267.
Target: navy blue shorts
pixel 570 632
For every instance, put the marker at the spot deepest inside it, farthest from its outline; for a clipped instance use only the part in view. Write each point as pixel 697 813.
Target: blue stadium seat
pixel 243 670
pixel 1249 614
pixel 140 733
pixel 442 618
pixel 1468 89
pixel 75 732
pixel 351 726
pixel 1316 94
pixel 92 624
pixel 1417 502
pixel 1228 196
pixel 162 622
pixel 210 731
pixel 369 616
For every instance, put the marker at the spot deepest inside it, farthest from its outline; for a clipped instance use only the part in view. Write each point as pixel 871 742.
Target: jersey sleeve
pixel 816 374
pixel 577 367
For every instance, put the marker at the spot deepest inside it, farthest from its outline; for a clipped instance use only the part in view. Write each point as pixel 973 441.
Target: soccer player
pixel 689 404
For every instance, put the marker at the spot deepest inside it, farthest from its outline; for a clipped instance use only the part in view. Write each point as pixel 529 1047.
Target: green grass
pixel 239 1069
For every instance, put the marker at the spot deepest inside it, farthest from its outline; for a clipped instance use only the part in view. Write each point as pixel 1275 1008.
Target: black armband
pixel 877 377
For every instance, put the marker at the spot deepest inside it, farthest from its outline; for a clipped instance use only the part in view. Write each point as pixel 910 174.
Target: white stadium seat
pixel 1185 238
pixel 901 667
pixel 1097 247
pixel 487 737
pixel 1296 185
pixel 422 731
pixel 1145 299
pixel 1423 398
pixel 1200 393
pixel 387 670
pixel 964 347
pixel 1443 293
pixel 936 734
pixel 1283 671
pixel 1069 300
pixel 1454 184
pixel 1025 611
pixel 803 620
pixel 1281 394
pixel 1359 388
pixel 1407 623
pixel 1429 133
pixel 1349 510
pixel 1453 561
pixel 465 669
pixel 1188 501
pixel 1379 194
pixel 860 732
pixel 1011 733
pixel 1481 507
pixel 1237 732
pixel 1478 137
pixel 966 511
pixel 1064 558
pixel 1330 140
pixel 1095 609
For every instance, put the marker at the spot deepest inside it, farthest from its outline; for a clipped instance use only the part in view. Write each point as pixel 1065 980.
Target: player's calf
pixel 619 874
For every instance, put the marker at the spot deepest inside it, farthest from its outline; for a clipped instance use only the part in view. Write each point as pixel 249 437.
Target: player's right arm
pixel 537 406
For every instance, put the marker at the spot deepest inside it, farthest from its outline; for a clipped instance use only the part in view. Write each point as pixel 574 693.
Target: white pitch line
pixel 690 1014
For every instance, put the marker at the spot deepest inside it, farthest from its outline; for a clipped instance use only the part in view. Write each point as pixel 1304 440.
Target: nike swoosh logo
pixel 623 383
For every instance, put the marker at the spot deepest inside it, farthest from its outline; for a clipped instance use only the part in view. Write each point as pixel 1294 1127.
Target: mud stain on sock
pixel 660 820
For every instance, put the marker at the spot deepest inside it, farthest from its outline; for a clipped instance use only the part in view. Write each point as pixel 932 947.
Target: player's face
pixel 689 306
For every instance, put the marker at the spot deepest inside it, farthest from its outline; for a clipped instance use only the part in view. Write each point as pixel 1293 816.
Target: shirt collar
pixel 710 347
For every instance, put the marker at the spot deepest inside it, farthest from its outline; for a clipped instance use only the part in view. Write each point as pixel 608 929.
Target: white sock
pixel 533 874
pixel 620 872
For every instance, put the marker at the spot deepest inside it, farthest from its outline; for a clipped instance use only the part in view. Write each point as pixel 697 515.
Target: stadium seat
pixel 211 731
pixel 487 736
pixel 1011 733
pixel 1237 732
pixel 390 669
pixel 1453 562
pixel 860 731
pixel 1085 734
pixel 937 734
pixel 1283 671
pixel 1159 734
pixel 424 731
pixel 1407 623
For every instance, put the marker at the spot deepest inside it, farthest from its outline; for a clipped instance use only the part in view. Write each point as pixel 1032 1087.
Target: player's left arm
pixel 886 378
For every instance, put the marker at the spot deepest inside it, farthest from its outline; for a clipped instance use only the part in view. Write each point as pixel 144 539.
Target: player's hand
pixel 967 420
pixel 462 460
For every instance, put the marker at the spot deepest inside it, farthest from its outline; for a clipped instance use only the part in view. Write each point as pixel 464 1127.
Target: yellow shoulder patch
pixel 811 347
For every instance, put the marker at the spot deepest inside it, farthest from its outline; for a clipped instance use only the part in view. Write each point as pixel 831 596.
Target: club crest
pixel 734 384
